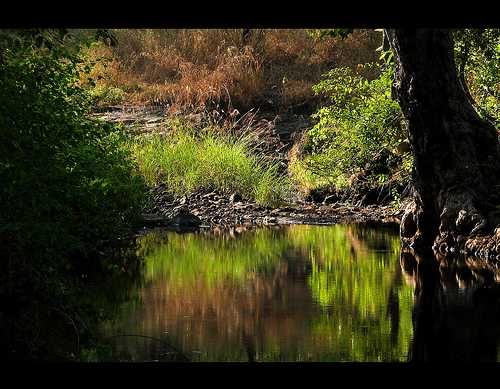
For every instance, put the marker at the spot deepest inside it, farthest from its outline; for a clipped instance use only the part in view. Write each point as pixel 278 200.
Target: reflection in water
pixel 456 313
pixel 302 293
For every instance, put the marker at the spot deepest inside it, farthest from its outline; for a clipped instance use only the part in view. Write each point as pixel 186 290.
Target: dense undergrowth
pixel 358 142
pixel 68 190
pixel 195 69
pixel 358 139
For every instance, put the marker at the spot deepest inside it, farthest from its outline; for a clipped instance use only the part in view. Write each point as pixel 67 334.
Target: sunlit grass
pixel 186 163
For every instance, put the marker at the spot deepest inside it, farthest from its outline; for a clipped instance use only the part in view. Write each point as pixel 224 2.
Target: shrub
pixel 477 53
pixel 359 132
pixel 105 95
pixel 68 187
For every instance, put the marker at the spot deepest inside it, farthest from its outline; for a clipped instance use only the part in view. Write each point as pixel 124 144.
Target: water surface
pixel 341 293
pixel 296 293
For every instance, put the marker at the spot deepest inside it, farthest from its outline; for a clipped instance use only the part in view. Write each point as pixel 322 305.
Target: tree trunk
pixel 456 175
pixel 463 57
pixel 245 36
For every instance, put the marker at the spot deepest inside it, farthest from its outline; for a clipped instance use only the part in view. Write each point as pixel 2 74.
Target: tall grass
pixel 223 162
pixel 198 68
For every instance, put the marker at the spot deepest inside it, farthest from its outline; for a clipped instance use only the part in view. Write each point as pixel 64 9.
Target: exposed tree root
pixel 462 228
pixel 487 247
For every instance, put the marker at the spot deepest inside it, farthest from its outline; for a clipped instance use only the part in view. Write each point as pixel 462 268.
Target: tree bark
pixel 456 174
pixel 246 35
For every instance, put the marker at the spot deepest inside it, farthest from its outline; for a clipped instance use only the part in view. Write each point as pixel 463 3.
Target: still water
pixel 295 293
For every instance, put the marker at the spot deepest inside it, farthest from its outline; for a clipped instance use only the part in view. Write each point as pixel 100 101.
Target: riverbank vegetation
pixel 186 162
pixel 68 191
pixel 72 185
pixel 197 69
pixel 357 140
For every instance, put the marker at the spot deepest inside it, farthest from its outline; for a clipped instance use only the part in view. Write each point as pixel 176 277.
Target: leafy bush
pixel 186 163
pixel 108 95
pixel 360 131
pixel 360 134
pixel 477 53
pixel 68 186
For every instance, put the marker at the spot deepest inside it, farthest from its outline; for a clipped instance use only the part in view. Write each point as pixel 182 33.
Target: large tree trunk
pixel 456 173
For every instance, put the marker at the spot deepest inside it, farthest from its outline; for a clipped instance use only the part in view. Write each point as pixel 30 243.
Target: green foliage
pixel 358 135
pixel 477 54
pixel 304 176
pixel 359 131
pixel 186 163
pixel 68 186
pixel 79 167
pixel 108 95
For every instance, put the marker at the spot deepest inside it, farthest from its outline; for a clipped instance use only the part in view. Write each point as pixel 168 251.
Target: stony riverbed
pixel 217 211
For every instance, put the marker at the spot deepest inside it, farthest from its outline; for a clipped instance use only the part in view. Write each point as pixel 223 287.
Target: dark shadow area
pixel 456 314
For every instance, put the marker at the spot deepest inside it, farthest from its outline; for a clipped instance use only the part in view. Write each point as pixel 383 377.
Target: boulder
pixel 184 218
pixel 235 197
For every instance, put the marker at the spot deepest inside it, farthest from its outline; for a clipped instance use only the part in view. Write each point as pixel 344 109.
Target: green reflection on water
pixel 297 293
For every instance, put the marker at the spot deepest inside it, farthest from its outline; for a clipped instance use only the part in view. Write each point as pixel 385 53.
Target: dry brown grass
pixel 192 70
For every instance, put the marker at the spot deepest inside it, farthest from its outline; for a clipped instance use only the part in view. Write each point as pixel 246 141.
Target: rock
pixel 331 199
pixel 269 220
pixel 209 195
pixel 408 226
pixel 154 220
pixel 287 209
pixel 235 197
pixel 184 218
pixel 177 208
pixel 154 120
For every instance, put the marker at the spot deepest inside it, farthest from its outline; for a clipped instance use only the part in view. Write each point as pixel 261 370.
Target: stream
pixel 341 293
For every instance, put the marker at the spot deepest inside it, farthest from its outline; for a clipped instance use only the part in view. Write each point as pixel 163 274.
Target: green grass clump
pixel 186 163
